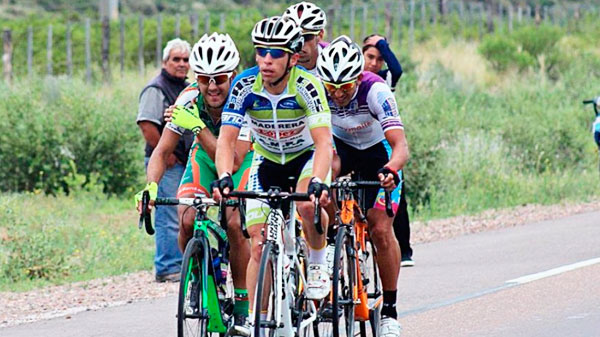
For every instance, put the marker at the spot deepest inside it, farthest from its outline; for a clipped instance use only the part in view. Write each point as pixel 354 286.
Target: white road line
pixel 552 272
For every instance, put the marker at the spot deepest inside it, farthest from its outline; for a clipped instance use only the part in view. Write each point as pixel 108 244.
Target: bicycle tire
pixel 344 282
pixel 266 258
pixel 187 324
pixel 374 291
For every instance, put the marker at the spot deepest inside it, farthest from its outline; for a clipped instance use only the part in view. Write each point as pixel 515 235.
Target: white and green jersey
pixel 280 124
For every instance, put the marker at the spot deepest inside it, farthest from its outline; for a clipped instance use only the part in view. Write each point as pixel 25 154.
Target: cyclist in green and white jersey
pixel 198 108
pixel 289 117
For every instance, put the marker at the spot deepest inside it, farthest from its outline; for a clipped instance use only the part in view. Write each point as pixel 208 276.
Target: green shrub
pixel 60 128
pixel 503 53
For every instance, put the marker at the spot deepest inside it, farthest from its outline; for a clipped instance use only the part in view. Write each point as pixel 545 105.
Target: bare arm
pixel 158 163
pixel 400 153
pixel 150 132
pixel 323 152
pixel 226 149
pixel 241 149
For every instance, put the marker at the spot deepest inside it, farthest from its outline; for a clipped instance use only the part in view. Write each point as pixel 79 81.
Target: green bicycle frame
pixel 210 300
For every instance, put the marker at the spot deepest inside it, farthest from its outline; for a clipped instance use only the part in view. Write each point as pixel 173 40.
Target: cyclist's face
pixel 310 50
pixel 373 60
pixel 177 64
pixel 343 97
pixel 272 68
pixel 215 94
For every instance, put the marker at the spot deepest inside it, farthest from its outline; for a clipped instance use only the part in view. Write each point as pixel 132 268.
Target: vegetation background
pixel 493 120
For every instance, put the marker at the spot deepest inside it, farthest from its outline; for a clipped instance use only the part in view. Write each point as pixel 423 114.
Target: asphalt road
pixel 541 279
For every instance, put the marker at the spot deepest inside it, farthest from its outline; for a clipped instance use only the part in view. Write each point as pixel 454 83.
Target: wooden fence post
pixel 352 37
pixel 158 56
pixel 29 51
pixel 69 51
pixel 412 25
pixel 194 23
pixel 177 25
pixel 7 56
pixel 49 51
pixel 106 49
pixel 207 23
pixel 88 52
pixel 330 19
pixel 510 17
pixel 365 18
pixel 141 45
pixel 388 20
pixel 400 21
pixel 222 23
pixel 423 15
pixel 375 28
pixel 122 44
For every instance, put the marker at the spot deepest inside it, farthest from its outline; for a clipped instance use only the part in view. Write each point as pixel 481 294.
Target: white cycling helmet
pixel 214 54
pixel 307 15
pixel 278 31
pixel 341 61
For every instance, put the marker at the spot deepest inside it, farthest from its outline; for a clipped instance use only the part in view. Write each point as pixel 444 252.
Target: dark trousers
pixel 402 228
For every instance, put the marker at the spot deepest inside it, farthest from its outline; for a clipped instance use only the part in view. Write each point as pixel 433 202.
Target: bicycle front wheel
pixel 190 322
pixel 344 285
pixel 266 294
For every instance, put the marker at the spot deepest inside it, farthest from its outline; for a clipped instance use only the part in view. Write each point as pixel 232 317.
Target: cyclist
pixel 312 20
pixel 213 59
pixel 287 111
pixel 369 138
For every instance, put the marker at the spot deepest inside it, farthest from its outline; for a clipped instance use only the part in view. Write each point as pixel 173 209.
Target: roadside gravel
pixel 66 300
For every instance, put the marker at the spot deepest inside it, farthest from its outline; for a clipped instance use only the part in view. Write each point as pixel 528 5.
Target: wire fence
pixel 96 48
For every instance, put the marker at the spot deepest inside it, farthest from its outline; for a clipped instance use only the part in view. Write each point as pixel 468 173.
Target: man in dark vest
pixel 160 93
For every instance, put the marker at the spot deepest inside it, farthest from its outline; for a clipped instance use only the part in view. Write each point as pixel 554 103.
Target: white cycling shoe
pixel 318 283
pixel 389 327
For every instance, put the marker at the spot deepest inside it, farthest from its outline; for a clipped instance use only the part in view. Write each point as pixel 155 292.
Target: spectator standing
pixel 160 93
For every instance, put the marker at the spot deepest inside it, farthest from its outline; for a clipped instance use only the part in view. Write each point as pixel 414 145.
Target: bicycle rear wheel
pixel 190 322
pixel 265 287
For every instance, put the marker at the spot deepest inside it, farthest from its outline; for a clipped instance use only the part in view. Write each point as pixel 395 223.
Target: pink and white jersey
pixel 373 111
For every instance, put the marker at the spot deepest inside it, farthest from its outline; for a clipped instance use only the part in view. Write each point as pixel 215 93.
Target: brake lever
pixel 147 217
pixel 388 204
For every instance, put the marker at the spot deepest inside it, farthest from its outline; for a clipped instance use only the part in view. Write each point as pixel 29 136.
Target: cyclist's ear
pixel 294 59
pixel 321 35
pixel 359 79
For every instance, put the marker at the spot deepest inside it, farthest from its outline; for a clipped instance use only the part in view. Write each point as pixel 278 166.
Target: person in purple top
pixel 376 51
pixel 370 141
pixel 312 20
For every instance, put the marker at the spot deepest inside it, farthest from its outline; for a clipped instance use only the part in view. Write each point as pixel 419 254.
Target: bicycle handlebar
pixel 276 194
pixel 596 102
pixel 146 218
pixel 353 185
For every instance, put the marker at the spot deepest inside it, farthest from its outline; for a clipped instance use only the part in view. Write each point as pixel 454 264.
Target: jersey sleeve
pixel 312 92
pixel 238 100
pixel 187 98
pixel 245 133
pixel 382 104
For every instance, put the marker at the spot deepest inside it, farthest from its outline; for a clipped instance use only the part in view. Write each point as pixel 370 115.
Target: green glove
pixel 151 187
pixel 188 118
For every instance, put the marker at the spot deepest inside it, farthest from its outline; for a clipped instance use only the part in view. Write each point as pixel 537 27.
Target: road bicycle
pixel 596 126
pixel 206 297
pixel 356 297
pixel 280 287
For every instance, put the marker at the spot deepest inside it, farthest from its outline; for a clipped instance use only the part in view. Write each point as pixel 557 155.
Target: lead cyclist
pixel 289 117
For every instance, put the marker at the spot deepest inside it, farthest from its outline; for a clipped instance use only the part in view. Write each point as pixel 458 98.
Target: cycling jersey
pixel 200 170
pixel 280 124
pixel 191 95
pixel 372 111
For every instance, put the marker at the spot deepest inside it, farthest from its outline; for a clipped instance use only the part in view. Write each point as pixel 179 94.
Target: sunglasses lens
pixel 348 86
pixel 220 79
pixel 203 79
pixel 330 87
pixel 275 53
pixel 262 52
